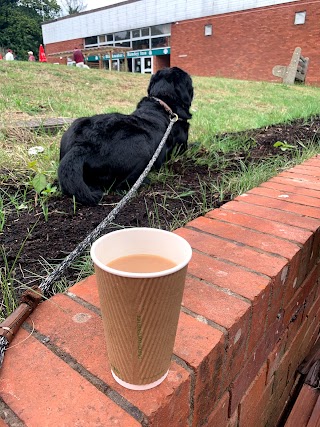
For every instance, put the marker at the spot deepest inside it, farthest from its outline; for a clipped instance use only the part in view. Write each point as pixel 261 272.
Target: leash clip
pixel 174 117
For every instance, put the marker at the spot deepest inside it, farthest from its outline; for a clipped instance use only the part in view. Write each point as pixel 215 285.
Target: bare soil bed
pixel 159 205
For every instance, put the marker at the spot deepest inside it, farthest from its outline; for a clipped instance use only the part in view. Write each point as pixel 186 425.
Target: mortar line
pixel 226 291
pixel 226 261
pixel 204 320
pixel 284 200
pixel 100 385
pixel 11 418
pixel 289 192
pixel 84 303
pixel 273 220
pixel 226 343
pixel 254 230
pixel 236 242
pixel 191 371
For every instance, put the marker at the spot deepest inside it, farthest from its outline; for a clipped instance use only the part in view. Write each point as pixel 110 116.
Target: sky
pixel 94 4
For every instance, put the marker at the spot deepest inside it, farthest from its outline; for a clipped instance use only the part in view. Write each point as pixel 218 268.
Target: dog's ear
pixel 183 85
pixel 172 83
pixel 159 84
pixel 80 124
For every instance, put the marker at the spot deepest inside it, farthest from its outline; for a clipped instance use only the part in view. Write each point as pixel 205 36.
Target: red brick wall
pixel 62 47
pixel 248 44
pixel 258 372
pixel 160 62
pixel 250 314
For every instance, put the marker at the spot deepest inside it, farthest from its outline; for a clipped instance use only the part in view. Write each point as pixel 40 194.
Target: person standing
pixel 79 58
pixel 31 56
pixel 42 54
pixel 9 56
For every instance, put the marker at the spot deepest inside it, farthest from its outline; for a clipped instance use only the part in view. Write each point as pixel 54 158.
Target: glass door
pixel 142 65
pixel 136 65
pixel 146 65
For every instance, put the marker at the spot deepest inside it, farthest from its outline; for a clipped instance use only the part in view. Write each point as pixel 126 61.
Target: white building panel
pixel 142 13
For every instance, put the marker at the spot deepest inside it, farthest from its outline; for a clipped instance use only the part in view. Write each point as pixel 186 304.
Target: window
pixel 144 32
pixel 300 18
pixel 160 29
pixel 157 36
pixel 208 30
pixel 159 42
pixel 123 44
pixel 91 40
pixel 140 44
pixel 135 34
pixel 122 35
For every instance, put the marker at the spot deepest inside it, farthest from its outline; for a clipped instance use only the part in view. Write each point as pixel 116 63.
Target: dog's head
pixel 173 86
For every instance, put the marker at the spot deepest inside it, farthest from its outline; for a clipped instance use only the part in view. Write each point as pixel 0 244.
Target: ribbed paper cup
pixel 140 311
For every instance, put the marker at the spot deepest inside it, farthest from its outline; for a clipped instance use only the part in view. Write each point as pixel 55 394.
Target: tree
pixel 47 9
pixel 73 6
pixel 20 24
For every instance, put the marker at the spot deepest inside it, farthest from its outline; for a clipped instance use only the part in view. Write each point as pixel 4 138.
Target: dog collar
pixel 164 105
pixel 167 108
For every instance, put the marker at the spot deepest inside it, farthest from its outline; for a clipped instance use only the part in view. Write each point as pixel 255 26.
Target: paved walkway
pixel 51 125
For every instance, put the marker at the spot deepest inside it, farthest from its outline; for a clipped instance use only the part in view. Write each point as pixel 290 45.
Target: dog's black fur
pixel 112 150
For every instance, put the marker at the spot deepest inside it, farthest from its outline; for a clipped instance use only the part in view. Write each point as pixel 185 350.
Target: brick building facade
pixel 248 44
pixel 235 42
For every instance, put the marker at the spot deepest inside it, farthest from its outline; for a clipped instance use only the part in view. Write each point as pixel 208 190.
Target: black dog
pixel 112 150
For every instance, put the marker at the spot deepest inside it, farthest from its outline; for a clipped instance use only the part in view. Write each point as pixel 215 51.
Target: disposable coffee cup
pixel 140 311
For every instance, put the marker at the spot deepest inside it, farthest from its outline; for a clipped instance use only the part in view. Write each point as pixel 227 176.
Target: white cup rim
pixel 184 244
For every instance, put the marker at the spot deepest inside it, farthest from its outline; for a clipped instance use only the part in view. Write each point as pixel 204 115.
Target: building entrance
pixel 142 65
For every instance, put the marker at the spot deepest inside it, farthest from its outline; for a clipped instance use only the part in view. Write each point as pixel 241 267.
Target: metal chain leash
pixel 9 327
pixel 58 272
pixel 3 346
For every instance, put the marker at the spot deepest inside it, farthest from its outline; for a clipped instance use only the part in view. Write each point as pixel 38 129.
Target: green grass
pixel 220 105
pixel 247 177
pixel 37 90
pixel 225 105
pixel 47 90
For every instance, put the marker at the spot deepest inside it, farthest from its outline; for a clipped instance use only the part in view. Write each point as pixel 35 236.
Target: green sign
pixel 134 54
pixel 148 52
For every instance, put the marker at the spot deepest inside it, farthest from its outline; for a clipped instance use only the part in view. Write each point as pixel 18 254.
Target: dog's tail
pixel 71 179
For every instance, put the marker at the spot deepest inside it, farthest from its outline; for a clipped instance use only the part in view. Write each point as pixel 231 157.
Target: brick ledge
pixel 249 316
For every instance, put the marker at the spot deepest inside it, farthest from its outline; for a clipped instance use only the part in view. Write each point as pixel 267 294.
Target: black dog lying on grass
pixel 112 150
